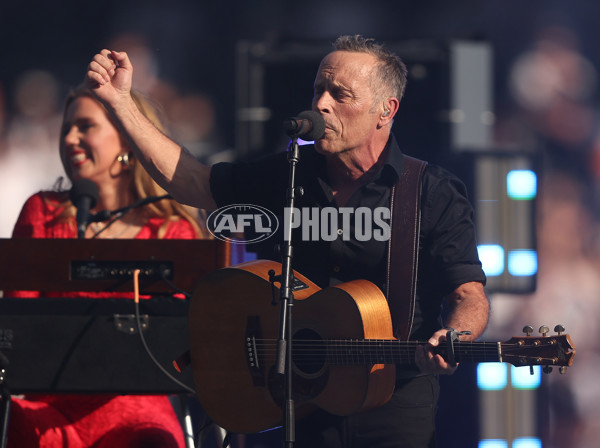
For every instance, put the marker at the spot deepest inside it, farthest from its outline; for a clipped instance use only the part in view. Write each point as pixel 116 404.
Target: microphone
pixel 309 125
pixel 83 195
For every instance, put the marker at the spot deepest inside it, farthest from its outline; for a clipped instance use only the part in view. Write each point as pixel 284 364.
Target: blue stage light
pixel 521 377
pixel 493 443
pixel 521 184
pixel 522 262
pixel 527 442
pixel 492 375
pixel 492 258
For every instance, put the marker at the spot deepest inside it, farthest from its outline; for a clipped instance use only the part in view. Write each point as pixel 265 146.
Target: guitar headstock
pixel 556 350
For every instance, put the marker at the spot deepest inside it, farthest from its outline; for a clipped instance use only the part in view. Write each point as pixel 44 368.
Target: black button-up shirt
pixel 447 252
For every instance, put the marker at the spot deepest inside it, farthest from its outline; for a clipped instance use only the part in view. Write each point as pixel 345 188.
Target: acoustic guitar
pixel 344 354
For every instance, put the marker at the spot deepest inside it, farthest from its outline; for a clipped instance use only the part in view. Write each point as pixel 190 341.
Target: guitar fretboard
pixel 383 351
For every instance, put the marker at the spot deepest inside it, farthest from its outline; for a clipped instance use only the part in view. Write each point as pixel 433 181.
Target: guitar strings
pixel 391 350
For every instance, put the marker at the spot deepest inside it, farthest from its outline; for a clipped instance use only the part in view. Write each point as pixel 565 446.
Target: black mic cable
pixel 115 215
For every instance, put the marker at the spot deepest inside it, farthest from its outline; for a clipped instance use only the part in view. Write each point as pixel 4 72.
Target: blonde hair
pixel 142 185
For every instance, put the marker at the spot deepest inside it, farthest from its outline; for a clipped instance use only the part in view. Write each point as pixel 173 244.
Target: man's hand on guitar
pixel 430 362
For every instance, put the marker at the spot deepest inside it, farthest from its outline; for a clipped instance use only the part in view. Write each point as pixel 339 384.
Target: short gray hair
pixel 391 71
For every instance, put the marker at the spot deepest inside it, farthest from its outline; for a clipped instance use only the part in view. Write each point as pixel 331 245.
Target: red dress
pixel 85 421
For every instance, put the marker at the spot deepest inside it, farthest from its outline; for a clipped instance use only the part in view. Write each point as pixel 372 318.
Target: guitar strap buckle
pixel 452 336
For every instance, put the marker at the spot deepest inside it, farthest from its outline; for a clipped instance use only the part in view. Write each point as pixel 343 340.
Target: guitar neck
pixel 375 351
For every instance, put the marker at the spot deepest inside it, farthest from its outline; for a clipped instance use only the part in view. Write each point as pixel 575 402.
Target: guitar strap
pixel 403 247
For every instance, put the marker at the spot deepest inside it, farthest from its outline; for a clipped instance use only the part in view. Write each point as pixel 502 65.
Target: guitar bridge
pixel 252 353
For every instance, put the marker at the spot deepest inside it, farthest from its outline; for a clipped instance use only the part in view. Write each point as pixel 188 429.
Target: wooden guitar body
pixel 234 326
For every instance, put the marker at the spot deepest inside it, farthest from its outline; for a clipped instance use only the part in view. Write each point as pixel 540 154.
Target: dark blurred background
pixel 193 44
pixel 227 73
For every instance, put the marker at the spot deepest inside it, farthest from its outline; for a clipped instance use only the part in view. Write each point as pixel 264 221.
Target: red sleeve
pixel 35 221
pixel 31 214
pixel 38 218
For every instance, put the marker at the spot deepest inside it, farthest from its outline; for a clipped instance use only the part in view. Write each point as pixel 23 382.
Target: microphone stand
pixel 284 343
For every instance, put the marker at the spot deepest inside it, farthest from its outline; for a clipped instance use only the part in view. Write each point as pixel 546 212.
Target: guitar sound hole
pixel 308 351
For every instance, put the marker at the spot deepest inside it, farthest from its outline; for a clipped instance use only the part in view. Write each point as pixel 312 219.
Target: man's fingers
pixel 104 65
pixel 122 59
pixel 429 362
pixel 422 357
pixel 97 74
pixel 109 75
pixel 93 76
pixel 105 60
pixel 100 70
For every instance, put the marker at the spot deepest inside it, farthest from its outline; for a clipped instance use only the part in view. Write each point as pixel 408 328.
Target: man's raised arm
pixel 109 77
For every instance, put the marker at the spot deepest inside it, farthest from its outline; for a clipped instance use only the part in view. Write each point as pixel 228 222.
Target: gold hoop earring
pixel 123 159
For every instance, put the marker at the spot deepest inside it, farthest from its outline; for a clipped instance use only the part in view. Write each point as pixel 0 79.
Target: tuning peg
pixel 547 369
pixel 528 329
pixel 563 370
pixel 544 330
pixel 559 329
